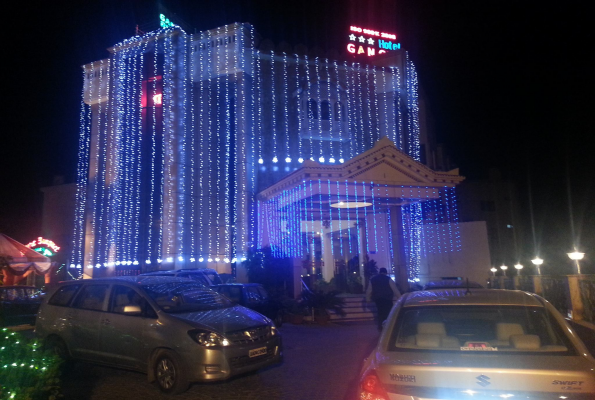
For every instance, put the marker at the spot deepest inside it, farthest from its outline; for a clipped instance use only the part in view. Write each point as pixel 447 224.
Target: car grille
pixel 244 361
pixel 252 335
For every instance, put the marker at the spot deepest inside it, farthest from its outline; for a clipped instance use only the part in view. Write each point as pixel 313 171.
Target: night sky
pixel 507 83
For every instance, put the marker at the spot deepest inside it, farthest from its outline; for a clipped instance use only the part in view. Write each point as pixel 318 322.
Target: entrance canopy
pixel 374 204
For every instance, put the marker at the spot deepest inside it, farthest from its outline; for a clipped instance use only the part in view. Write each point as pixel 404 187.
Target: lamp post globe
pixel 537 262
pixel 504 268
pixel 576 256
pixel 493 270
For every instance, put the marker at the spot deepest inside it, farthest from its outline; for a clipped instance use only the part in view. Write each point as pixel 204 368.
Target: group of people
pixel 382 290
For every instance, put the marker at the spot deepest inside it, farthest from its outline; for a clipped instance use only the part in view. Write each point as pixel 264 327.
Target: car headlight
pixel 208 338
pixel 273 330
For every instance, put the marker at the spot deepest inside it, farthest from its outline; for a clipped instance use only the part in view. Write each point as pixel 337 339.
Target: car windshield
pixel 177 297
pixel 478 329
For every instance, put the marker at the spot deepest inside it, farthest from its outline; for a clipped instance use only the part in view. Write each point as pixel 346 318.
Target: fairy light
pixel 348 219
pixel 273 107
pixel 338 115
pixel 286 108
pixel 413 108
pixel 254 134
pixel 182 156
pixel 377 119
pixel 374 215
pixel 309 112
pixel 298 92
pixel 91 250
pixel 193 155
pixel 259 94
pixel 227 160
pixel 318 108
pixel 322 233
pixel 329 103
pixel 389 228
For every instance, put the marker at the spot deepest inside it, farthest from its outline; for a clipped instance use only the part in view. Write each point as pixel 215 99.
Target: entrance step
pixel 356 309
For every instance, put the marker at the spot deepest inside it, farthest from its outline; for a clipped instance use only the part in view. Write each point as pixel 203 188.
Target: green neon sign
pixel 165 22
pixel 45 251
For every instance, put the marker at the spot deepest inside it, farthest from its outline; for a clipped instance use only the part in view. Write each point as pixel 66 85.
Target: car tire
pixel 57 347
pixel 169 373
pixel 278 320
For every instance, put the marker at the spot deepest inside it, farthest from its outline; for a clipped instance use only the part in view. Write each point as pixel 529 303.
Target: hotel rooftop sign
pixel 371 42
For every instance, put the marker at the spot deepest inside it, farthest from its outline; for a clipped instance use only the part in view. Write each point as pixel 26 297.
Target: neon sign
pixel 44 246
pixel 371 42
pixel 165 22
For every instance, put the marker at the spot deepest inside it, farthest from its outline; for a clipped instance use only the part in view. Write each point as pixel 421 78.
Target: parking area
pixel 321 362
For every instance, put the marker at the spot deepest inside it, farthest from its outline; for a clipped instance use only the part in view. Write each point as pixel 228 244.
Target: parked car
pixel 254 296
pixel 451 284
pixel 19 304
pixel 477 344
pixel 206 276
pixel 176 330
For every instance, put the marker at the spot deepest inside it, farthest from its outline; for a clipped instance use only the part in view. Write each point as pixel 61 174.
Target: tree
pixel 271 272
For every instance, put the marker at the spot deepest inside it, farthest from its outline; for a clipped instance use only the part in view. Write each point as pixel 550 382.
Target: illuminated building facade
pixel 195 149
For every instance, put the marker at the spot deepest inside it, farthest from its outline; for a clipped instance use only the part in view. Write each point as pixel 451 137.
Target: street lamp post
pixel 518 267
pixel 493 270
pixel 504 268
pixel 537 262
pixel 576 256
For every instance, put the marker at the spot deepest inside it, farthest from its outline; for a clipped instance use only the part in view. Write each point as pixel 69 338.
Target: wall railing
pixel 572 295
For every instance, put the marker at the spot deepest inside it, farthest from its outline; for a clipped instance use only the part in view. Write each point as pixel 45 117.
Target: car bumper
pixel 221 364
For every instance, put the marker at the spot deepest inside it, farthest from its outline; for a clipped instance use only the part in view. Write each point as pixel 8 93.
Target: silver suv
pixel 477 344
pixel 176 330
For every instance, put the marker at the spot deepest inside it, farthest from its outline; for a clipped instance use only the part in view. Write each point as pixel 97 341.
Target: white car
pixel 477 344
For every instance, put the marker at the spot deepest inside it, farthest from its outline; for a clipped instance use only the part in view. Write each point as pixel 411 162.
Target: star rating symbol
pixel 352 37
pixel 370 41
pixel 362 39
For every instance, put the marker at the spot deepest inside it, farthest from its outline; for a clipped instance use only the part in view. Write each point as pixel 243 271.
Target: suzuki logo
pixel 483 380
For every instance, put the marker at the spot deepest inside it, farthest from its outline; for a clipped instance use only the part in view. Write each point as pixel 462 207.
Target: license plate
pixel 257 352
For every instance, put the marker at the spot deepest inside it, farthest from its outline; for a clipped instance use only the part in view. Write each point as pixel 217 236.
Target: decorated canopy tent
pixel 22 261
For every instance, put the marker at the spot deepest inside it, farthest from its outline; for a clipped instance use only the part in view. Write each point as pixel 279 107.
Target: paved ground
pixel 321 362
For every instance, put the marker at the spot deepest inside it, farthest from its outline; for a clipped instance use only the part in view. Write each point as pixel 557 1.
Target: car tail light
pixel 371 388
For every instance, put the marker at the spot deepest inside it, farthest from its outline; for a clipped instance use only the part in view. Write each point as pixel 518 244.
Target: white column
pixel 328 269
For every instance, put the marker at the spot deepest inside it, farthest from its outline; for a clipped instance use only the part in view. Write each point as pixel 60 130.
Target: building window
pixel 325 110
pixel 312 109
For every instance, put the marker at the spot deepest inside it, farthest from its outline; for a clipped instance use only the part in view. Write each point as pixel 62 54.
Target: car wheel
pixel 278 320
pixel 58 348
pixel 169 374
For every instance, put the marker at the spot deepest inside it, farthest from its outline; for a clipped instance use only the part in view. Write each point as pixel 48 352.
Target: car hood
pixel 224 320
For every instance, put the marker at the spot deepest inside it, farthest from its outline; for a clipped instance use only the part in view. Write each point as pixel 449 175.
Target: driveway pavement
pixel 321 362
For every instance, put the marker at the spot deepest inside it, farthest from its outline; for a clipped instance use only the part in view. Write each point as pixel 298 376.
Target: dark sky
pixel 507 82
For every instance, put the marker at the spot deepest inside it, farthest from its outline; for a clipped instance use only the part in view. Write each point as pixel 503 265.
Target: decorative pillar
pixel 328 269
pixel 399 255
pixel 537 284
pixel 576 302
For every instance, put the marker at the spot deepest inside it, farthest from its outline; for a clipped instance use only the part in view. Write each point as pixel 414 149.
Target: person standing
pixel 382 290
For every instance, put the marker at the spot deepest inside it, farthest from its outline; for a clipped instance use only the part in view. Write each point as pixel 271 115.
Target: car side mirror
pixel 132 309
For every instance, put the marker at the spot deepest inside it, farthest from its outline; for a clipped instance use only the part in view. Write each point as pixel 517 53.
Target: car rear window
pixel 478 329
pixel 63 295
